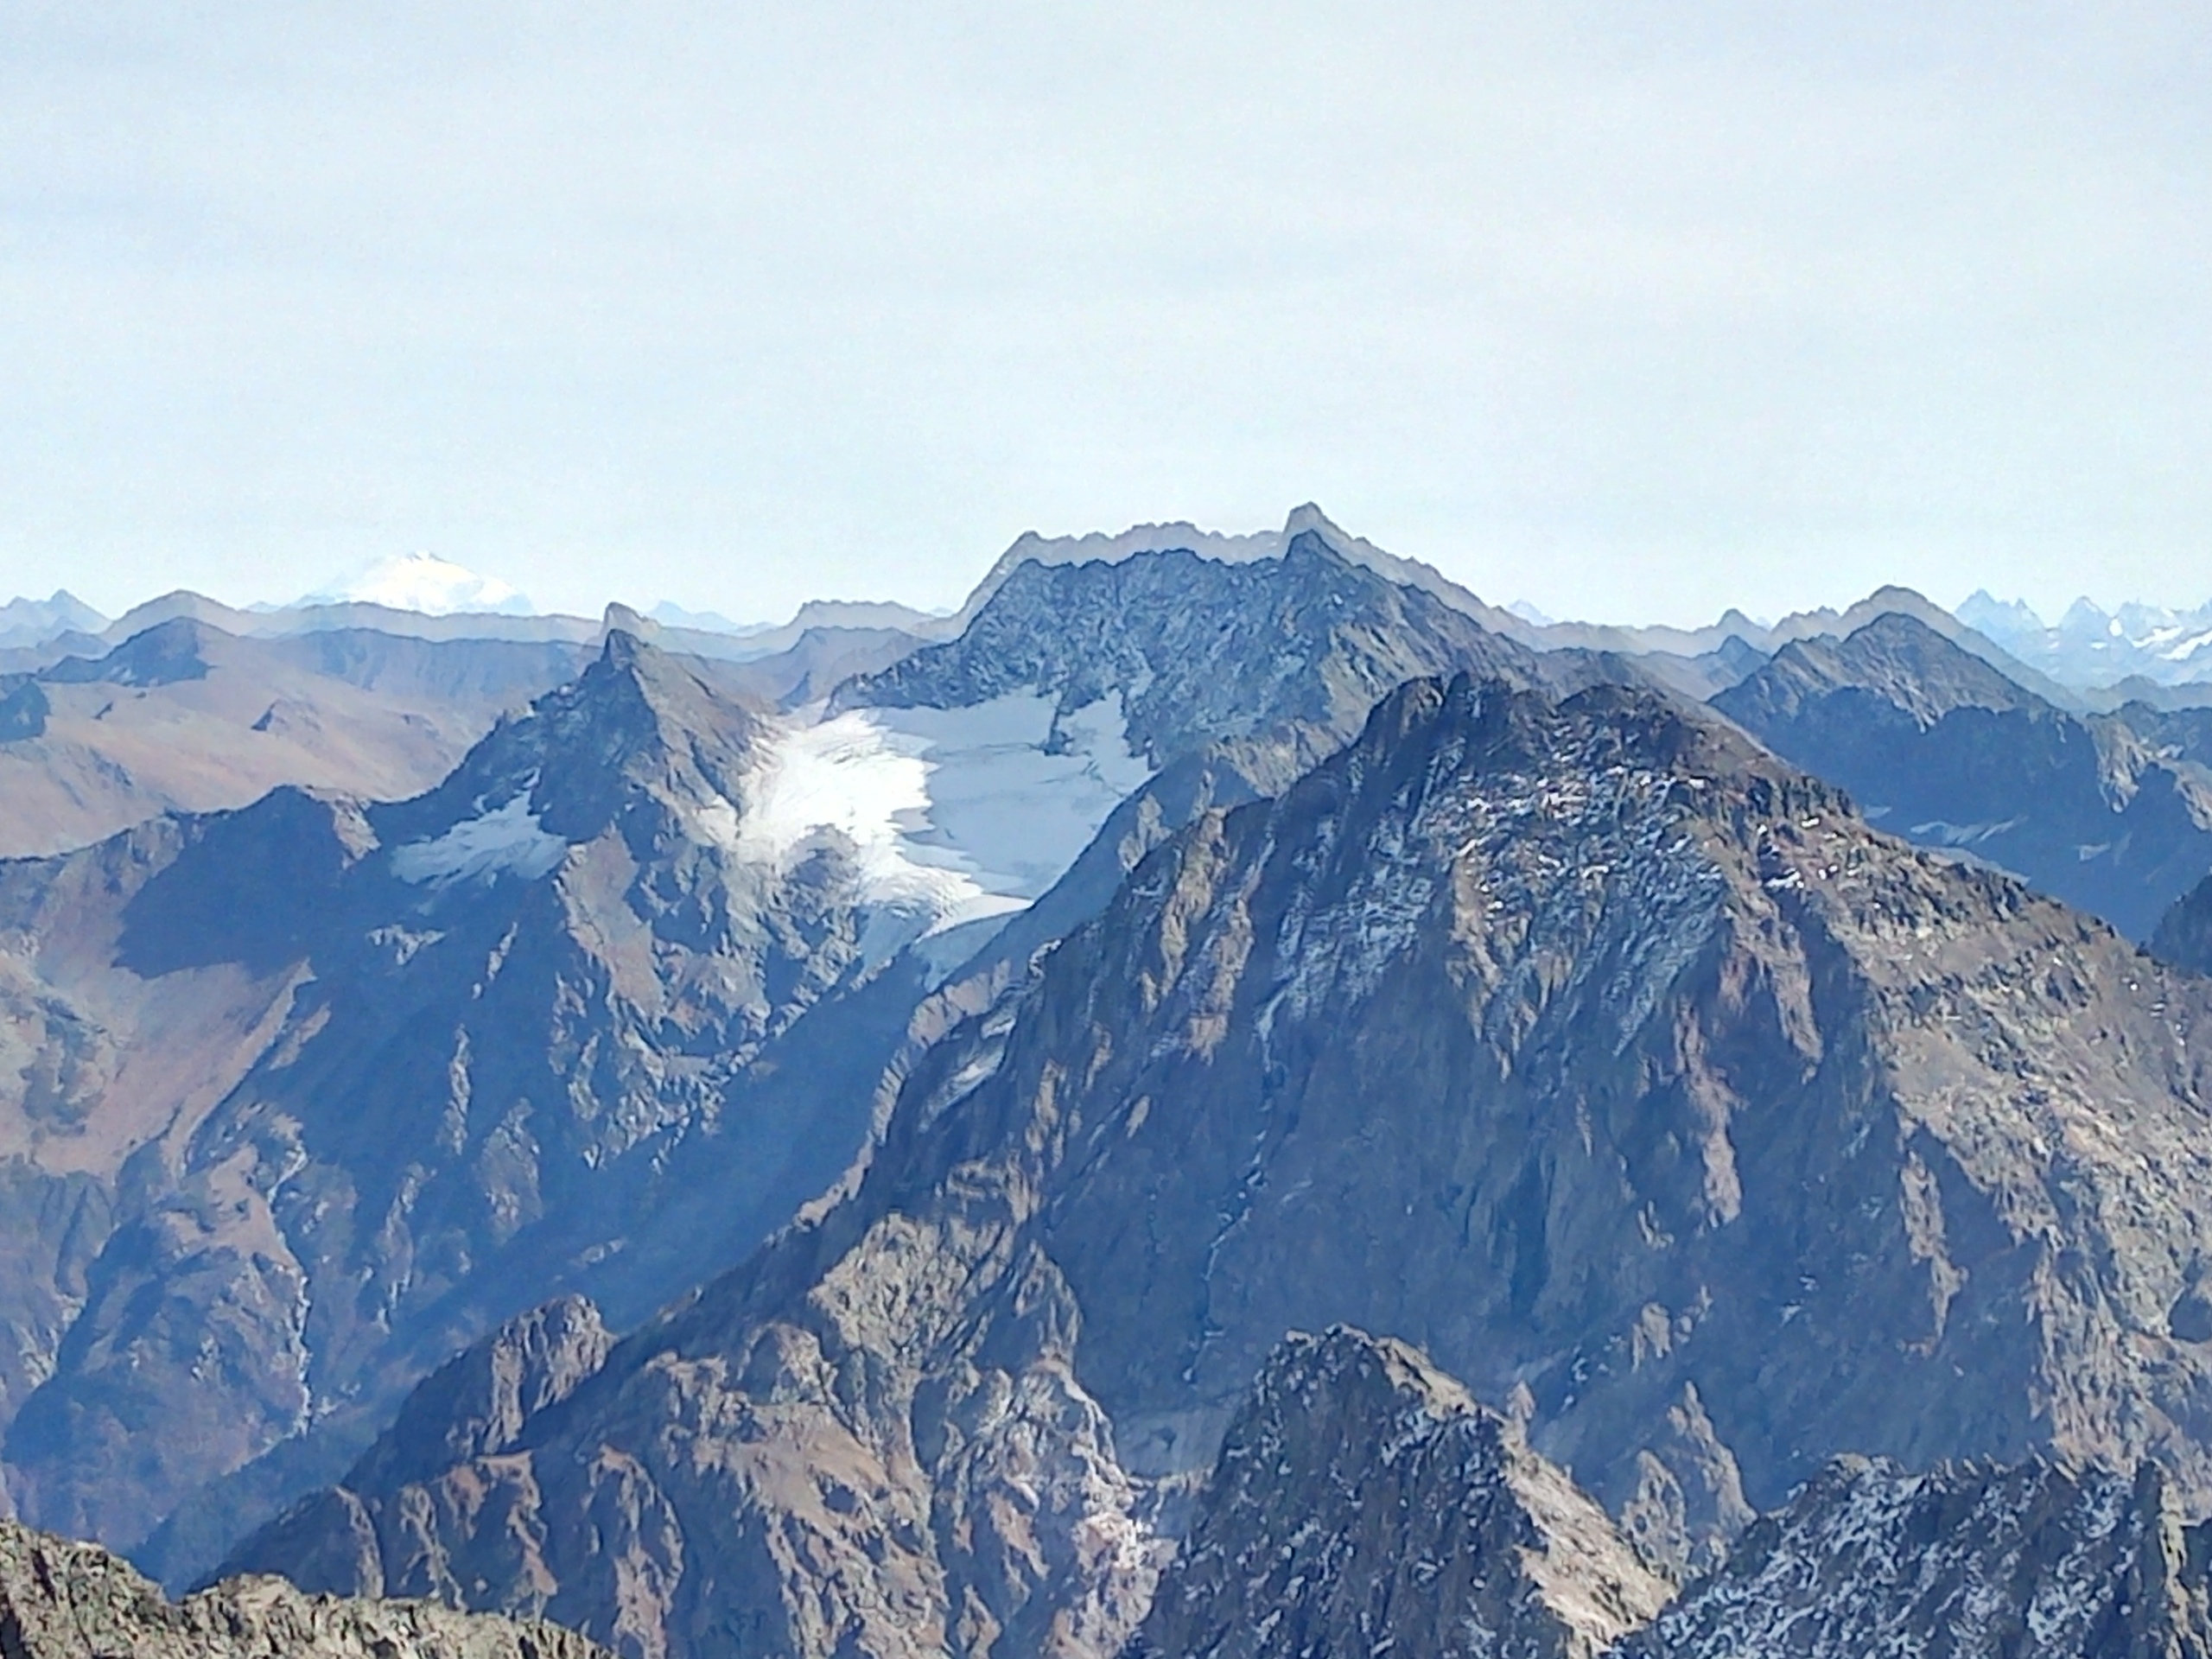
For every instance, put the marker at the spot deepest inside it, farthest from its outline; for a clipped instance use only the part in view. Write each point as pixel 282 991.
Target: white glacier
pixel 953 815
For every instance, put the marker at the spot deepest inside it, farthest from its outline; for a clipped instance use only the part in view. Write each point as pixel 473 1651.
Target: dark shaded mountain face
pixel 2184 935
pixel 1361 1500
pixel 63 1601
pixel 183 717
pixel 1939 747
pixel 1706 1132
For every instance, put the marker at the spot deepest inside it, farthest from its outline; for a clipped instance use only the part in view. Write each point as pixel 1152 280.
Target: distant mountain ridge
pixel 2085 655
pixel 30 621
pixel 2091 647
pixel 49 637
pixel 1198 648
pixel 2112 812
pixel 1733 631
pixel 184 717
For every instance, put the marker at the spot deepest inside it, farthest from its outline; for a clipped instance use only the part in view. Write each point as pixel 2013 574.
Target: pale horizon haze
pixel 1631 314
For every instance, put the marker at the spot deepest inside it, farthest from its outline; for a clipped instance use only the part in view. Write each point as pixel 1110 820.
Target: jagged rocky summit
pixel 65 1600
pixel 1362 1503
pixel 1197 650
pixel 1706 1132
pixel 1980 1560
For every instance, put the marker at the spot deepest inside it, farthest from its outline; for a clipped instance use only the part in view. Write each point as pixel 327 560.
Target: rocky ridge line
pixel 1363 1504
pixel 63 1601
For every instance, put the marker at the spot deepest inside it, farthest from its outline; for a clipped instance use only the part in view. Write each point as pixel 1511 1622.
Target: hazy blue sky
pixel 1634 311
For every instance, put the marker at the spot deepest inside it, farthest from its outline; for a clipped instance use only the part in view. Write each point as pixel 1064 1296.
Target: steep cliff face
pixel 2029 1562
pixel 2184 932
pixel 62 1600
pixel 1938 746
pixel 1704 1130
pixel 1363 1500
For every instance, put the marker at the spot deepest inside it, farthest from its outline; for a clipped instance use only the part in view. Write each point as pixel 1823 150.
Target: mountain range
pixel 1572 1040
pixel 826 1145
pixel 2112 812
pixel 2091 647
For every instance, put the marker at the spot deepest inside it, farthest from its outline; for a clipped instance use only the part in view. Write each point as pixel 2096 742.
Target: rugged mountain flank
pixel 1980 1560
pixel 1362 1502
pixel 317 1092
pixel 1937 745
pixel 1706 1131
pixel 63 1600
pixel 2185 933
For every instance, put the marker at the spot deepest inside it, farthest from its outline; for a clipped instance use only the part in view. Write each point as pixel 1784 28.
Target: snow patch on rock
pixel 505 839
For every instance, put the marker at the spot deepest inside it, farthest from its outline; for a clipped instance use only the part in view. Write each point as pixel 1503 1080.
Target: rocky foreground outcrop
pixel 1363 1503
pixel 65 1600
pixel 1973 1561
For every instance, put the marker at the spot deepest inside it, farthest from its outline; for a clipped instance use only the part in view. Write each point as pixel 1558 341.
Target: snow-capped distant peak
pixel 426 583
